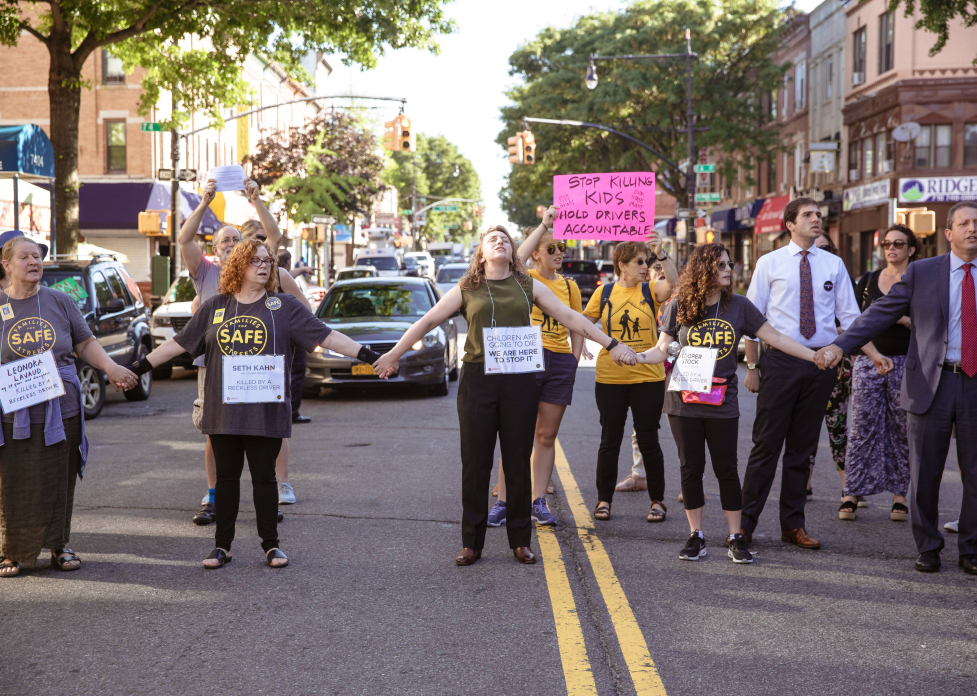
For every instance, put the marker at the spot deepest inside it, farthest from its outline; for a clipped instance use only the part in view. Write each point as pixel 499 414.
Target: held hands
pixel 210 190
pixel 828 357
pixel 386 366
pixel 251 190
pixel 121 377
pixel 623 355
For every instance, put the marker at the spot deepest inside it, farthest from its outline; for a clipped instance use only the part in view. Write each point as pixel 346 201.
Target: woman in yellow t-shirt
pixel 626 312
pixel 560 356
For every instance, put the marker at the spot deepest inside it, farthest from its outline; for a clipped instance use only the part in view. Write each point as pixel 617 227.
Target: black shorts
pixel 556 382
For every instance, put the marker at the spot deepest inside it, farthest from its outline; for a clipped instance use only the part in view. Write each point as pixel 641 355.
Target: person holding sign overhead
pixel 707 319
pixel 43 448
pixel 247 332
pixel 498 392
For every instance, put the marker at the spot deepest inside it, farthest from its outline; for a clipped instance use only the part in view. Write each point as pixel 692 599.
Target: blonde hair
pixel 11 247
pixel 250 228
pixel 232 271
pixel 476 269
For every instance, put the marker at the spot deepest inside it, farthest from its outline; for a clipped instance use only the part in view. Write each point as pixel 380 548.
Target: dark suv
pixel 111 303
pixel 586 274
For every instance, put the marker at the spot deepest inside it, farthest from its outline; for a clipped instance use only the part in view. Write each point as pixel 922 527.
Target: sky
pixel 458 93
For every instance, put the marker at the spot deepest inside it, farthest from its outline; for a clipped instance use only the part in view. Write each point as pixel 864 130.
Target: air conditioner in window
pixel 886 166
pixel 853 175
pixel 857 79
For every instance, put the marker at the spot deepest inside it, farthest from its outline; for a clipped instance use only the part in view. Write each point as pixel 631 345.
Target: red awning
pixel 771 216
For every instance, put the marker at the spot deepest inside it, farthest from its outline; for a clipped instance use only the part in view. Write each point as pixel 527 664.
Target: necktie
pixel 808 324
pixel 968 323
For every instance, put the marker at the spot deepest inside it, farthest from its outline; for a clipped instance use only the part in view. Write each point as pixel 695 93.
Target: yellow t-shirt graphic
pixel 632 321
pixel 555 337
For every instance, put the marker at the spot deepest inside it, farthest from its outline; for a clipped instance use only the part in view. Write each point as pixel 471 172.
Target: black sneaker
pixel 695 547
pixel 738 551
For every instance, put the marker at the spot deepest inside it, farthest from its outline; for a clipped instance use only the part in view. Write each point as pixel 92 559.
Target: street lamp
pixel 591 78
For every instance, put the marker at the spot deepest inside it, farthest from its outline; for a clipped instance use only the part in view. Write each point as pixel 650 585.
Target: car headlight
pixel 161 321
pixel 432 339
pixel 330 353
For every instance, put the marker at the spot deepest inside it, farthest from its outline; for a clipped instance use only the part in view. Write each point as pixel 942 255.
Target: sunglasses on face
pixel 258 263
pixel 641 262
pixel 896 244
pixel 723 265
pixel 551 248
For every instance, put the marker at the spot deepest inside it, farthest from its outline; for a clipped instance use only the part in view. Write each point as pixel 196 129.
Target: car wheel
pixel 92 389
pixel 441 388
pixel 163 371
pixel 144 385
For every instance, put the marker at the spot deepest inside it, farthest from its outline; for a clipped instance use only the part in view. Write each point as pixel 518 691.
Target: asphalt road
pixel 372 602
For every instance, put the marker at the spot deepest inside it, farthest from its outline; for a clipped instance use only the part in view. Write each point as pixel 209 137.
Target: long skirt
pixel 878 446
pixel 37 491
pixel 836 415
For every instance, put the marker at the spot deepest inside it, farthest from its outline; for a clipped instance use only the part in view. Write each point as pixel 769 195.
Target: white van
pixel 387 261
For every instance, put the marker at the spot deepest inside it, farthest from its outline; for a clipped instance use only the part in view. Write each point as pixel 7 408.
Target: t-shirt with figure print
pixel 555 337
pixel 632 322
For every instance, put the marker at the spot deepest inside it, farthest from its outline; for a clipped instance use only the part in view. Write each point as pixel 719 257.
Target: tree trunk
pixel 64 96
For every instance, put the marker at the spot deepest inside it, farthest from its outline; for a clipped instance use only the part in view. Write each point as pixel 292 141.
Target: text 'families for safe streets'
pixel 616 207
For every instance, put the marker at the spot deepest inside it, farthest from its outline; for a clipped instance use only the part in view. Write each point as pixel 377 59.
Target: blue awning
pixel 745 215
pixel 26 151
pixel 723 220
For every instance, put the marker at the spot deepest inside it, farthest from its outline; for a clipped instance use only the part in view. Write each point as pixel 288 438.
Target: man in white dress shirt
pixel 801 289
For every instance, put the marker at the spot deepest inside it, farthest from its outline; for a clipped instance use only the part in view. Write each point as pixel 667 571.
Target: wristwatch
pixel 751 366
pixel 612 345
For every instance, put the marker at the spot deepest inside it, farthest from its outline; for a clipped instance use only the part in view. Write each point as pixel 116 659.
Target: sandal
pixel 602 511
pixel 65 560
pixel 221 556
pixel 274 555
pixel 847 510
pixel 657 512
pixel 8 568
pixel 900 513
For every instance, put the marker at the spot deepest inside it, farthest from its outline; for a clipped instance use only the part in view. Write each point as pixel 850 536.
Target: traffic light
pixel 515 149
pixel 528 147
pixel 408 141
pixel 468 225
pixel 392 135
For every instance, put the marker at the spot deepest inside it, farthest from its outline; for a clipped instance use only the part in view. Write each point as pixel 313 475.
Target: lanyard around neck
pixel 528 305
pixel 274 337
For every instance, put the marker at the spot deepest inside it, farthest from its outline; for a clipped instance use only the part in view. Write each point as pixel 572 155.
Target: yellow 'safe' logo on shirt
pixel 273 303
pixel 218 316
pixel 242 336
pixel 6 312
pixel 31 336
pixel 713 333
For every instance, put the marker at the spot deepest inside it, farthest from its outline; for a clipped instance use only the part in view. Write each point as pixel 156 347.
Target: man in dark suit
pixel 939 388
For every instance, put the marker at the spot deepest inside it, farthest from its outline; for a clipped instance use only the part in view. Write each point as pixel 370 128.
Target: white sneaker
pixel 286 494
pixel 953 526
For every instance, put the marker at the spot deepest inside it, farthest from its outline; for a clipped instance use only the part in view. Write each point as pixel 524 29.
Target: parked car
pixel 449 275
pixel 112 304
pixel 351 272
pixel 170 318
pixel 424 260
pixel 586 274
pixel 377 312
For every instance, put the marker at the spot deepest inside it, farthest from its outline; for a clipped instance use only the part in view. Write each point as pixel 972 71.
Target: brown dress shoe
pixel 800 538
pixel 524 554
pixel 468 557
pixel 747 536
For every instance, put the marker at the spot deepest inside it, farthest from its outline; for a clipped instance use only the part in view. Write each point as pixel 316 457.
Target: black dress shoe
pixel 298 418
pixel 968 562
pixel 928 562
pixel 206 515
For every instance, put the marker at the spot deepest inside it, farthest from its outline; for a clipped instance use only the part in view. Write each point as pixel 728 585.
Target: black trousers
pixel 296 377
pixel 229 452
pixel 790 407
pixel 490 407
pixel 613 401
pixel 691 437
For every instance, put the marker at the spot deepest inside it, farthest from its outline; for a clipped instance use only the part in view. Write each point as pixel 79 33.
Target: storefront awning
pixel 723 221
pixel 771 215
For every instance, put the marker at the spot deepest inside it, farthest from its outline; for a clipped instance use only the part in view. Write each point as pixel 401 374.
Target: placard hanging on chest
pixel 511 350
pixel 253 379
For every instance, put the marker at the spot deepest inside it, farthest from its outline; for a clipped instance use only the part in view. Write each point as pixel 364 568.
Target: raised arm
pixel 526 249
pixel 449 303
pixel 187 239
pixel 268 222
pixel 576 322
pixel 664 287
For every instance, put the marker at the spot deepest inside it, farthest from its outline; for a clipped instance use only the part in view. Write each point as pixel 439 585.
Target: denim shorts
pixel 556 382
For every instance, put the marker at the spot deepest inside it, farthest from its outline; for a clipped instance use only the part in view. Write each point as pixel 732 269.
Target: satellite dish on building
pixel 905 132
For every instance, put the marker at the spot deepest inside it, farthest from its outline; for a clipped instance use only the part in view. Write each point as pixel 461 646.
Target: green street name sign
pixel 446 208
pixel 708 197
pixel 705 169
pixel 153 127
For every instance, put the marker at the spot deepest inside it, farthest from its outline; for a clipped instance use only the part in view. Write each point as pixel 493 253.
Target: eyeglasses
pixel 551 248
pixel 723 265
pixel 641 262
pixel 657 267
pixel 257 263
pixel 896 243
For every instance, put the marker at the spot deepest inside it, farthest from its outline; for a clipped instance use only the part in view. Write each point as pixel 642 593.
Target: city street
pixel 372 602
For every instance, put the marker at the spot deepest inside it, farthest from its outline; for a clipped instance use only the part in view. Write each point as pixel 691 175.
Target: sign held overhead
pixel 613 206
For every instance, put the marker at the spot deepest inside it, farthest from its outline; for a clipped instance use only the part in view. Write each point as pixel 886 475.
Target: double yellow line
pixel 573 651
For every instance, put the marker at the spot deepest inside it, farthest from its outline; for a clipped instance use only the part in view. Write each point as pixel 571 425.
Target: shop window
pixel 112 72
pixel 115 138
pixel 868 157
pixel 886 41
pixel 970 145
pixel 858 58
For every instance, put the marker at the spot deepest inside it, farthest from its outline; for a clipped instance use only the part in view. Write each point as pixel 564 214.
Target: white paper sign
pixel 29 381
pixel 229 177
pixel 511 350
pixel 253 379
pixel 693 370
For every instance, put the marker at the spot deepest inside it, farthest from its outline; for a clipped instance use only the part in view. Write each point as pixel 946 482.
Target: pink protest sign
pixel 619 207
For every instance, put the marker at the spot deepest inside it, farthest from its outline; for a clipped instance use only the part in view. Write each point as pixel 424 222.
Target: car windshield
pixel 579 267
pixel 381 263
pixel 450 275
pixel 387 300
pixel 364 273
pixel 182 290
pixel 71 282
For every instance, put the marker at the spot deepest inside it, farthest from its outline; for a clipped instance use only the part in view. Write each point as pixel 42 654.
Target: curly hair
pixel 476 269
pixel 232 271
pixel 626 251
pixel 700 278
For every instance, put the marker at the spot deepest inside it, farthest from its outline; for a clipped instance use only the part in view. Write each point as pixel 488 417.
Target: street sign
pixel 708 197
pixel 151 127
pixel 323 220
pixel 705 169
pixel 446 209
pixel 684 213
pixel 451 227
pixel 405 211
pixel 701 213
pixel 185 175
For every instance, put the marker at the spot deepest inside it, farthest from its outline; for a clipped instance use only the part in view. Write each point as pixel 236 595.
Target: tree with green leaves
pixel 437 169
pixel 937 15
pixel 316 190
pixel 147 32
pixel 734 40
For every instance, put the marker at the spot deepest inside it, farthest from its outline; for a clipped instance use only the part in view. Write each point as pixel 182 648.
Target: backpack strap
pixel 646 292
pixel 605 301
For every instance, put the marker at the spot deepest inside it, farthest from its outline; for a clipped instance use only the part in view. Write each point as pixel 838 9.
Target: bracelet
pixel 366 355
pixel 612 345
pixel 142 367
pixel 661 258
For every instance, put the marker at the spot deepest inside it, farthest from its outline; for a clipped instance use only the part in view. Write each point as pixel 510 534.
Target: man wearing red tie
pixel 938 385
pixel 801 289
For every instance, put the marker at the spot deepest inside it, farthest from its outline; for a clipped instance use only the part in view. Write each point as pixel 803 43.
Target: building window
pixel 944 146
pixel 884 153
pixel 112 72
pixel 829 77
pixel 786 106
pixel 868 158
pixel 854 160
pixel 115 137
pixel 970 145
pixel 773 103
pixel 858 58
pixel 933 147
pixel 800 85
pixel 921 148
pixel 886 40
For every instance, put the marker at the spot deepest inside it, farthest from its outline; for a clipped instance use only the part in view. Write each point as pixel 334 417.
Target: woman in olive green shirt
pixel 496 292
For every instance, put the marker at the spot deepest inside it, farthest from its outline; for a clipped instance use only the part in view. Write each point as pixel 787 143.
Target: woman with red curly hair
pixel 247 332
pixel 707 313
